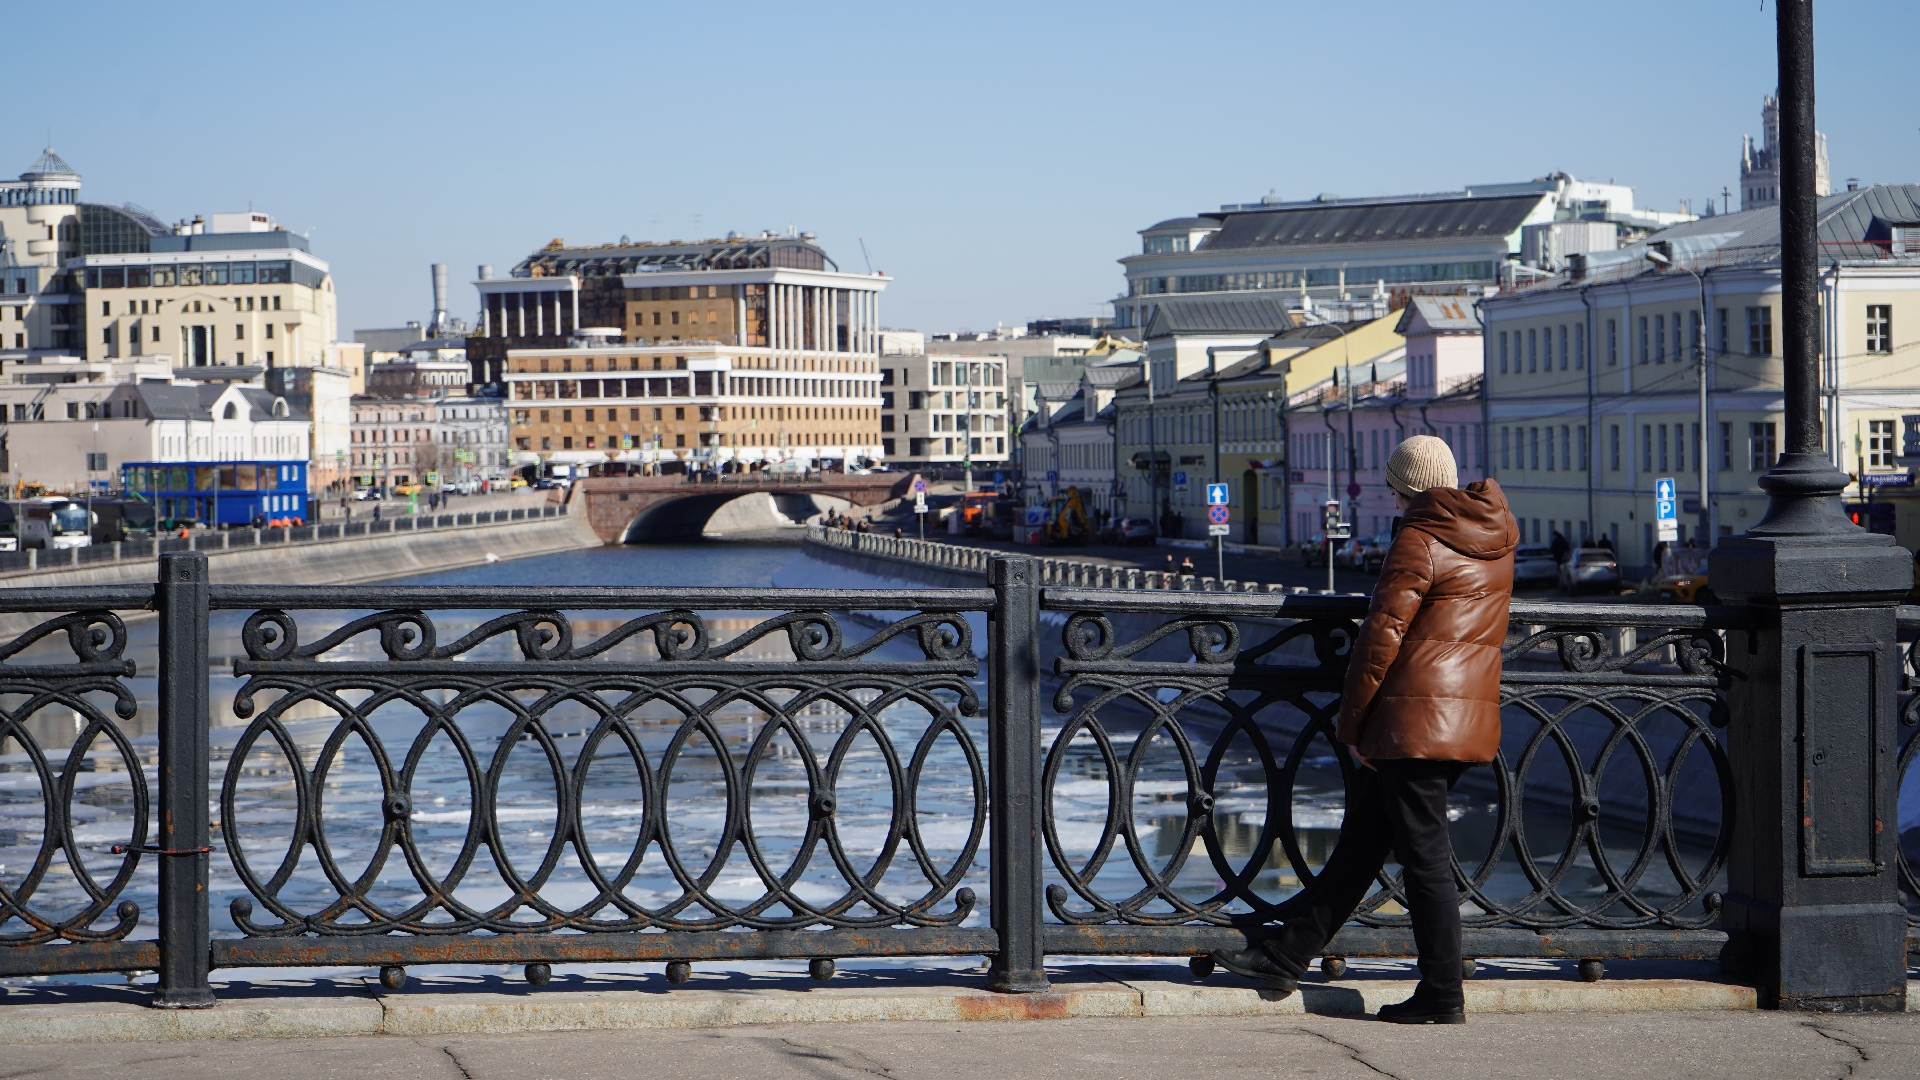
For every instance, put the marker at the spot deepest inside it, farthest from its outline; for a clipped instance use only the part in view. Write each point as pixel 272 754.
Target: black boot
pixel 1415 1011
pixel 1254 963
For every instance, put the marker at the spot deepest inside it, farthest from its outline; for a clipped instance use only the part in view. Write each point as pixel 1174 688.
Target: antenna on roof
pixel 863 254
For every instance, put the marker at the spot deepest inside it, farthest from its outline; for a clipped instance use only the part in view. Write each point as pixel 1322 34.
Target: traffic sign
pixel 1052 475
pixel 919 485
pixel 1665 510
pixel 1218 514
pixel 1180 480
pixel 999 478
pixel 1216 494
pixel 1218 530
pixel 1353 489
pixel 920 503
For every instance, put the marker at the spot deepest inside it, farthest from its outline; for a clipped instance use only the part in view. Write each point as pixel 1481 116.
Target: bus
pixel 219 493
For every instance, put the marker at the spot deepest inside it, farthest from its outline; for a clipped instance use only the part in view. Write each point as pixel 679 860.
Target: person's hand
pixel 1360 757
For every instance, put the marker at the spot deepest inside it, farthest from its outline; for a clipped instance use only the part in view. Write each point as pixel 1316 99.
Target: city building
pixel 1332 248
pixel 1226 420
pixel 701 404
pixel 1344 428
pixel 434 367
pixel 395 443
pixel 324 395
pixel 476 429
pixel 40 230
pixel 238 292
pixel 776 354
pixel 80 445
pixel 1069 442
pixel 1760 165
pixel 944 410
pixel 1593 376
pixel 771 291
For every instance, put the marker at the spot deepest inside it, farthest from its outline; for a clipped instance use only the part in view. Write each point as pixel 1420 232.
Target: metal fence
pixel 37 559
pixel 399 776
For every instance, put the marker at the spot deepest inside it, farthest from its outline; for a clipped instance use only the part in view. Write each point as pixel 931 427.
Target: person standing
pixel 1421 705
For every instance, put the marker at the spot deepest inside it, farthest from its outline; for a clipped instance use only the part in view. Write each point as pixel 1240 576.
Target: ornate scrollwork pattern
pixel 700 731
pixel 59 886
pixel 1592 816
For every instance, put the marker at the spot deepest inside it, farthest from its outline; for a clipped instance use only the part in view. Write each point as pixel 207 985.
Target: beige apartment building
pixel 243 293
pixel 1593 376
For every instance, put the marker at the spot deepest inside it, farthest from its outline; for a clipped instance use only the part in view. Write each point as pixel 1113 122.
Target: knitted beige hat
pixel 1420 463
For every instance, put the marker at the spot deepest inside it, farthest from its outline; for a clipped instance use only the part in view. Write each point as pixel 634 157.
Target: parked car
pixel 366 493
pixel 1687 589
pixel 1534 565
pixel 1364 552
pixel 1134 530
pixel 1313 550
pixel 1589 568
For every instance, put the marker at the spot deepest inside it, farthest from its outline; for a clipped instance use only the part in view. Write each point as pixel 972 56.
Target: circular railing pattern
pixel 1238 686
pixel 98 641
pixel 550 676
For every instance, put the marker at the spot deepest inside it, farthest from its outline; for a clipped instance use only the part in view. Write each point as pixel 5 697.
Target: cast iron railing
pixel 403 776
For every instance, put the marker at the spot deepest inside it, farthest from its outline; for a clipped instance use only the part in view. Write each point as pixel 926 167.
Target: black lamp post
pixel 1813 906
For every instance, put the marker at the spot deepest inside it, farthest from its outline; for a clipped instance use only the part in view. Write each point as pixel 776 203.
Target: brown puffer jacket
pixel 1424 679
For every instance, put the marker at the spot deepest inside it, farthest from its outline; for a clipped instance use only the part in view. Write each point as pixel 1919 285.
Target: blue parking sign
pixel 1666 515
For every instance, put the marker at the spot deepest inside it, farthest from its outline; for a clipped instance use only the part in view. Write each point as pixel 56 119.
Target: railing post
pixel 185 852
pixel 1014 760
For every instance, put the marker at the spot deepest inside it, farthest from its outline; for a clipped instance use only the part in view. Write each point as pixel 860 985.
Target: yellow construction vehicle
pixel 1067 519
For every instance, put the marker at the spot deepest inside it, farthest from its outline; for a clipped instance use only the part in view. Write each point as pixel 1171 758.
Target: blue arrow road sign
pixel 1666 515
pixel 1216 494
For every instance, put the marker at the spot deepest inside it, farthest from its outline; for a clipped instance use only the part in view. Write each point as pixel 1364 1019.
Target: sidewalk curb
pixel 442 1007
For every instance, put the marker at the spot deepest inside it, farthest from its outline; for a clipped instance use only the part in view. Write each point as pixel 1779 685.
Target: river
pixel 264 809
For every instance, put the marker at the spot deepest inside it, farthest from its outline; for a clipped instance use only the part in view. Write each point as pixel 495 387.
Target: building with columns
pixel 777 292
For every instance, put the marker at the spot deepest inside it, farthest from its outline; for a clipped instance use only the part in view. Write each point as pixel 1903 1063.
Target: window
pixel 1646 447
pixel 1760 332
pixel 1506 455
pixel 1533 350
pixel 1582 438
pixel 1879 328
pixel 1503 352
pixel 1549 434
pixel 1613 447
pixel 1720 315
pixel 1533 448
pixel 73 411
pixel 1880 443
pixel 1580 347
pixel 1659 339
pixel 1548 334
pixel 1644 357
pixel 1693 333
pixel 1663 449
pixel 1613 344
pixel 1761 444
pixel 1563 348
pixel 1726 443
pixel 1695 444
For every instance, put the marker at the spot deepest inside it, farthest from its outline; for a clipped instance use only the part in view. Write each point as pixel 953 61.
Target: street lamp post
pixel 1665 260
pixel 1812 908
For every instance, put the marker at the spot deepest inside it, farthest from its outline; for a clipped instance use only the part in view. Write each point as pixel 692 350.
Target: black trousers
pixel 1400 809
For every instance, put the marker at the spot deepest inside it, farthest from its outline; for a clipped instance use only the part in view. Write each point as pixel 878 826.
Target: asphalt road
pixel 1587 1046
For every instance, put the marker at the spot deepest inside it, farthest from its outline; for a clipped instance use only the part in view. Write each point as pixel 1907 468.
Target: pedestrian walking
pixel 1421 706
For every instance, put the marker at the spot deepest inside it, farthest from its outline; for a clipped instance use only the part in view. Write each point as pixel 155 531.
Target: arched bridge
pixel 625 509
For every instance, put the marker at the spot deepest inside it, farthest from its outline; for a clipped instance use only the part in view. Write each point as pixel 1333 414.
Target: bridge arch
pixel 686 517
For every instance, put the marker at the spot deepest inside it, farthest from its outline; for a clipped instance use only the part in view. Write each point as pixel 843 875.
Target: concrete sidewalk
pixel 1741 1044
pixel 67 1013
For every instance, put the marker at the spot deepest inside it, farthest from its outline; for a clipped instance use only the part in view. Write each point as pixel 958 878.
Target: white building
pixel 68 449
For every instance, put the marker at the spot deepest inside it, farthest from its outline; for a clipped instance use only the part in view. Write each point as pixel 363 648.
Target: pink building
pixel 1435 390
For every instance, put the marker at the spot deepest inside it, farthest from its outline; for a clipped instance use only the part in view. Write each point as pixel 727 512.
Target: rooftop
pixel 1218 315
pixel 49 165
pixel 1424 220
pixel 632 257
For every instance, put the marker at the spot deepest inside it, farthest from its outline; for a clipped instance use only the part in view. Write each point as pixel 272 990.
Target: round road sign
pixel 1353 489
pixel 919 485
pixel 1217 514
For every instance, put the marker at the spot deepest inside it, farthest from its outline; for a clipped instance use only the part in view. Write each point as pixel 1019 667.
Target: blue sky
pixel 995 157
